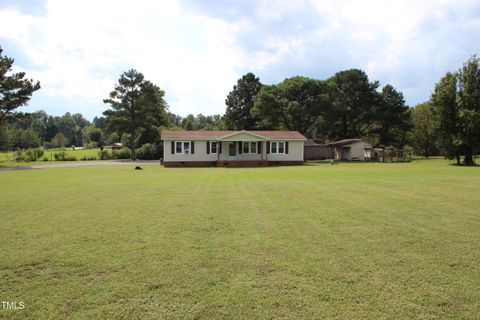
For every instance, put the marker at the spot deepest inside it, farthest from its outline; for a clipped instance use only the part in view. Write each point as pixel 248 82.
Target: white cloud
pixel 78 49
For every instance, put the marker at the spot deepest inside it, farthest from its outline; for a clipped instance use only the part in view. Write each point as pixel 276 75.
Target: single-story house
pixel 352 149
pixel 314 149
pixel 232 148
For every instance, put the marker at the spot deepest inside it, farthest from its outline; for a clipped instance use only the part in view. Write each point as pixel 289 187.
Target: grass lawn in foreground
pixel 346 241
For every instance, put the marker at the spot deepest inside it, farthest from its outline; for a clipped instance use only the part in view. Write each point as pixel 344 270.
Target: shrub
pixel 19 155
pixel 149 152
pixel 34 154
pixel 29 154
pixel 104 155
pixel 71 158
pixel 45 159
pixel 91 145
pixel 60 156
pixel 121 154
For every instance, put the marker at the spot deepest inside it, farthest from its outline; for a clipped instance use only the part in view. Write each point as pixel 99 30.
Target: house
pixel 314 149
pixel 232 148
pixel 352 149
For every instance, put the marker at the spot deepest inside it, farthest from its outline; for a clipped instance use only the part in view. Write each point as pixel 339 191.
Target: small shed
pixel 117 146
pixel 314 149
pixel 352 149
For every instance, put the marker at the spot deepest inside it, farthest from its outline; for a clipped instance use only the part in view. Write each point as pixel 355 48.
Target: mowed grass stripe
pixel 320 241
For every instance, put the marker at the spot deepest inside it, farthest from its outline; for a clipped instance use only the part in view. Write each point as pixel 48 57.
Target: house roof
pixel 218 135
pixel 313 143
pixel 344 142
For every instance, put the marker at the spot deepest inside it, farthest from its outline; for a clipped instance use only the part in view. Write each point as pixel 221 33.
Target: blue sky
pixel 196 50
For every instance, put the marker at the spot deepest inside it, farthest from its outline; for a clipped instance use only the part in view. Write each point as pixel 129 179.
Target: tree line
pixel 346 105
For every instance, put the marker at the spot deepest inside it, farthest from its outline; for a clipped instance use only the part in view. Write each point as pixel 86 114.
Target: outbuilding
pixel 352 149
pixel 314 149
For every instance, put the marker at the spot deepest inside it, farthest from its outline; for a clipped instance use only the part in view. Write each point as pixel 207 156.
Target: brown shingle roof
pixel 313 143
pixel 205 135
pixel 343 142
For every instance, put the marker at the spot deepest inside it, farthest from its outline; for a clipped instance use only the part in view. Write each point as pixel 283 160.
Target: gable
pixel 243 136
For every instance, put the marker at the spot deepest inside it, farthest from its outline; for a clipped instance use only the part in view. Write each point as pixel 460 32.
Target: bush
pixel 91 145
pixel 85 158
pixel 71 158
pixel 34 154
pixel 149 152
pixel 29 154
pixel 46 159
pixel 60 156
pixel 121 154
pixel 104 155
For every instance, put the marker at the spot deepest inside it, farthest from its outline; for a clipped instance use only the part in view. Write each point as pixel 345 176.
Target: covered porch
pixel 242 148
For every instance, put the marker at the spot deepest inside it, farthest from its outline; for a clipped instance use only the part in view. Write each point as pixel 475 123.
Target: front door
pixel 232 150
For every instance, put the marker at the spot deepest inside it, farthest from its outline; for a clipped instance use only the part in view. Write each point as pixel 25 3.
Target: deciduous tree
pixel 294 104
pixel 424 134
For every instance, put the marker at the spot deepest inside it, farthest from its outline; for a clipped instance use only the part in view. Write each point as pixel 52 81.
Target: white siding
pixel 242 136
pixel 295 152
pixel 356 151
pixel 199 155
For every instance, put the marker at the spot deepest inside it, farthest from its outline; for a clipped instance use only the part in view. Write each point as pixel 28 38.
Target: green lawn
pixel 346 241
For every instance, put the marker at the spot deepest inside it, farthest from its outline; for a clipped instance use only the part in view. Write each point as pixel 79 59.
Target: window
pixel 178 148
pixel 253 147
pixel 277 147
pixel 281 147
pixel 249 147
pixel 274 147
pixel 213 147
pixel 182 147
pixel 245 147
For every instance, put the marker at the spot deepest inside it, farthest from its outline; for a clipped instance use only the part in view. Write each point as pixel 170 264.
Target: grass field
pixel 346 241
pixel 6 157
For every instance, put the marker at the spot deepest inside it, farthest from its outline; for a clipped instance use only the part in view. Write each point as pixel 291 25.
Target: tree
pixel 136 104
pixel 469 108
pixel 393 118
pixel 444 101
pixel 457 101
pixel 424 134
pixel 295 104
pixel 240 102
pixel 25 139
pixel 59 140
pixel 15 90
pixel 357 106
pixel 100 122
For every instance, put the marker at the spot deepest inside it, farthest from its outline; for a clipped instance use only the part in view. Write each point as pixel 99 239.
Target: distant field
pixel 6 157
pixel 345 241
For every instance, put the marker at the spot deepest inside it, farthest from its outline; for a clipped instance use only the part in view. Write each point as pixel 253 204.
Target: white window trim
pixel 183 147
pixel 249 147
pixel 211 146
pixel 277 143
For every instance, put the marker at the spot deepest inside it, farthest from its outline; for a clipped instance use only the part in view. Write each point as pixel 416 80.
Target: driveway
pixel 81 164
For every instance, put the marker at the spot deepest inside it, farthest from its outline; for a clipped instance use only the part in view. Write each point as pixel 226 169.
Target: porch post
pixel 218 150
pixel 261 150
